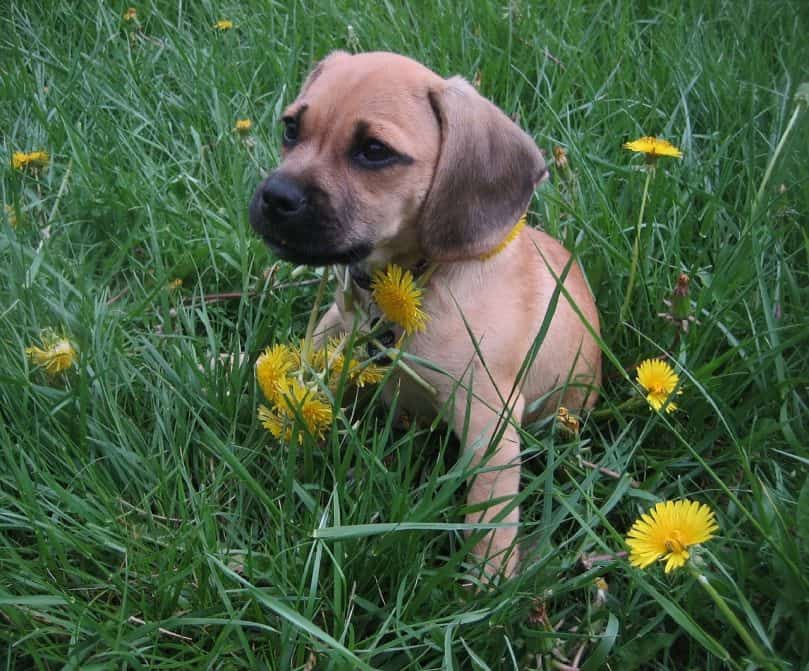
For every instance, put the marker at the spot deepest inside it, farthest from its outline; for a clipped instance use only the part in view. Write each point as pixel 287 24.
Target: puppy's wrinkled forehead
pixel 383 95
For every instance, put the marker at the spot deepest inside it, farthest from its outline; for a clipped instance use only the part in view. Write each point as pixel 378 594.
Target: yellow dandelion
pixel 560 158
pixel 35 159
pixel 332 360
pixel 397 295
pixel 278 426
pixel 309 405
pixel 130 14
pixel 223 24
pixel 568 421
pixel 602 592
pixel 329 357
pixel 273 367
pixel 19 159
pixel 243 126
pixel 57 355
pixel 175 284
pixel 667 531
pixel 11 215
pixel 659 380
pixel 653 147
pixel 365 373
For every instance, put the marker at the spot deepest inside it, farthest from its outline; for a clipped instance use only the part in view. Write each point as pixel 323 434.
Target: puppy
pixel 385 162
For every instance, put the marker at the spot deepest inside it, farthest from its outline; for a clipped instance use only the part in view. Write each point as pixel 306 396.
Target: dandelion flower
pixel 274 423
pixel 35 159
pixel 223 24
pixel 297 402
pixel 329 357
pixel 130 14
pixel 659 380
pixel 243 126
pixel 602 591
pixel 176 283
pixel 309 405
pixel 365 373
pixel 57 355
pixel 653 147
pixel 667 531
pixel 560 158
pixel 11 215
pixel 397 295
pixel 568 421
pixel 272 369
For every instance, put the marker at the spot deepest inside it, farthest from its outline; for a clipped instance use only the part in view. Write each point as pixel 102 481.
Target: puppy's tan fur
pixel 471 176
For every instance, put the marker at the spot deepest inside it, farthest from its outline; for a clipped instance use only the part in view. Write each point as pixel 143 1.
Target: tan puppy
pixel 386 162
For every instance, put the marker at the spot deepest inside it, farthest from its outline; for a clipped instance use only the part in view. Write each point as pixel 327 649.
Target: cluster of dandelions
pixel 656 377
pixel 277 373
pixel 298 382
pixel 21 160
pixel 296 388
pixel 672 530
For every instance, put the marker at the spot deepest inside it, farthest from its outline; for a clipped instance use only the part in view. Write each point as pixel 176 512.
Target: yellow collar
pixel 512 234
pixel 362 277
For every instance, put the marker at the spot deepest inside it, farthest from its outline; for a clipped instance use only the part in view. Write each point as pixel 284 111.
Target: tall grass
pixel 148 520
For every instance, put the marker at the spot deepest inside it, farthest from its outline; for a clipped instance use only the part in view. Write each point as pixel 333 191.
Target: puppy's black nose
pixel 283 196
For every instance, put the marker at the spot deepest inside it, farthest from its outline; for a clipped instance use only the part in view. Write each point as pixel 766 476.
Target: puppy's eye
pixel 375 154
pixel 290 135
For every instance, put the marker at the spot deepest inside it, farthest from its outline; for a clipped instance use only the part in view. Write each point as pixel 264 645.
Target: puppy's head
pixel 383 159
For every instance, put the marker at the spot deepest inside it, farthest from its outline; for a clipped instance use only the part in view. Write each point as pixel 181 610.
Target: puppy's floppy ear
pixel 486 173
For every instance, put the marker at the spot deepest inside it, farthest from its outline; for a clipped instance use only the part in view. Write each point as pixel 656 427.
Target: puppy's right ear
pixel 319 67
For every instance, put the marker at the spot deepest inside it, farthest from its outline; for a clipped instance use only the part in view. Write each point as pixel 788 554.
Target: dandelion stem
pixel 734 621
pixel 392 353
pixel 636 247
pixel 306 349
pixel 774 159
pixel 61 192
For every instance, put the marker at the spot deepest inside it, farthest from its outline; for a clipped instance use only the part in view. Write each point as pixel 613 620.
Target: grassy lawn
pixel 148 520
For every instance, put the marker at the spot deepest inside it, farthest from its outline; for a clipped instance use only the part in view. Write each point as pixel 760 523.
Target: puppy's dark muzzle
pixel 298 223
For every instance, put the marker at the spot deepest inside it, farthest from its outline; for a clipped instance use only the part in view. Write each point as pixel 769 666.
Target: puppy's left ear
pixel 486 173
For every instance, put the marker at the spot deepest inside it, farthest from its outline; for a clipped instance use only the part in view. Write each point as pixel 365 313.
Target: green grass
pixel 148 520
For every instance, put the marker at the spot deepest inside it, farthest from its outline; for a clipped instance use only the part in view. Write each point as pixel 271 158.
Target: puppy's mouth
pixel 299 252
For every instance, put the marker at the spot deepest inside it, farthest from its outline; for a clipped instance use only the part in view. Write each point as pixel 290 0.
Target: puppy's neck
pixel 361 273
pixel 417 262
pixel 380 258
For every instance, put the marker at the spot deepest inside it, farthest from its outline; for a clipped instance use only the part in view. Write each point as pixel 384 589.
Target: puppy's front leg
pixel 497 483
